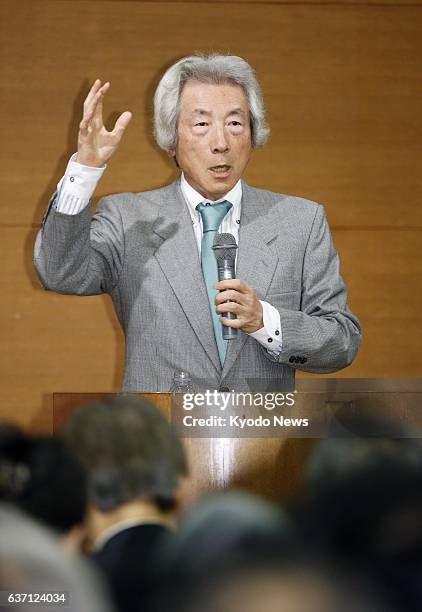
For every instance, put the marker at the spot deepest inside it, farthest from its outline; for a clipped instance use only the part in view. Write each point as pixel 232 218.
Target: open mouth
pixel 221 170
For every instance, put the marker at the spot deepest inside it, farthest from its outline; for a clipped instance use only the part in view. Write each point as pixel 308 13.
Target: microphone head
pixel 224 247
pixel 227 240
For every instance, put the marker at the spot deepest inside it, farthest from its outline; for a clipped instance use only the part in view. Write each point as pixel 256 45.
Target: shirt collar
pixel 193 198
pixel 113 530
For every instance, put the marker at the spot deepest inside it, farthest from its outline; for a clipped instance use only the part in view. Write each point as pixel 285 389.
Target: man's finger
pixel 232 283
pixel 95 87
pixel 229 307
pixel 228 296
pixel 97 94
pixel 121 124
pixel 84 124
pixel 97 104
pixel 237 323
pixel 91 112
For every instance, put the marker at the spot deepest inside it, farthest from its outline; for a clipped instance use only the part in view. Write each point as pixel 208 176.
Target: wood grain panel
pixel 50 342
pixel 295 2
pixel 342 87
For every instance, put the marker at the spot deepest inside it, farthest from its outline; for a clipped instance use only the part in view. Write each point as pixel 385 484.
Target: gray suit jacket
pixel 140 248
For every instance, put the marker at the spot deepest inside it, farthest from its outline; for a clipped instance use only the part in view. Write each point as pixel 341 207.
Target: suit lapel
pixel 179 260
pixel 177 255
pixel 257 260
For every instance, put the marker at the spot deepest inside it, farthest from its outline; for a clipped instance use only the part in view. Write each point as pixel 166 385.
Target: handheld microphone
pixel 224 248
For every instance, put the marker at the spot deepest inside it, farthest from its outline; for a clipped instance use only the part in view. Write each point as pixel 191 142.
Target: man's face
pixel 213 137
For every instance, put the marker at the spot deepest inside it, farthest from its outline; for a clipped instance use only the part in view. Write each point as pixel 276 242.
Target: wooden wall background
pixel 342 83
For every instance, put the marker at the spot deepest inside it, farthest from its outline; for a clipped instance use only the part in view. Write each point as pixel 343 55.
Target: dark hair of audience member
pixel 129 451
pixel 277 584
pixel 43 478
pixel 364 508
pixel 222 534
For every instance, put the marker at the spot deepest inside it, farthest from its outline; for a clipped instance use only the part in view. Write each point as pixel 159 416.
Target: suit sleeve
pixel 80 254
pixel 324 335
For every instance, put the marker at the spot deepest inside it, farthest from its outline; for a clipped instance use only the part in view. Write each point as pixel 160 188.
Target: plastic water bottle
pixel 182 383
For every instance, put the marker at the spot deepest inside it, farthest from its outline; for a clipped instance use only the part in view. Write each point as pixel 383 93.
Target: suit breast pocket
pixel 287 299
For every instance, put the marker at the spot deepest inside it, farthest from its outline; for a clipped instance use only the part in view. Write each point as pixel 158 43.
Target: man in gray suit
pixel 151 251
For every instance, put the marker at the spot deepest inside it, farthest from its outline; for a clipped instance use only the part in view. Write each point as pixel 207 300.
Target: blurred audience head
pixel 32 561
pixel 234 552
pixel 222 526
pixel 43 478
pixel 274 585
pixel 219 535
pixel 367 492
pixel 130 452
pixel 363 509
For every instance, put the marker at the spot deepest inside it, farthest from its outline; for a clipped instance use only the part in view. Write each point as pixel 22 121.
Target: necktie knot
pixel 213 214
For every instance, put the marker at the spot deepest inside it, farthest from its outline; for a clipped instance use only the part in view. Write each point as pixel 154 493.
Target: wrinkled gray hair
pixel 215 69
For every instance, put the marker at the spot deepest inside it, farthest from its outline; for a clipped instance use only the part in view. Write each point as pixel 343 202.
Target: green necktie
pixel 212 216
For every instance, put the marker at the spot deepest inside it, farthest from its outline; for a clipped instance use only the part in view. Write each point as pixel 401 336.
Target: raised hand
pixel 95 144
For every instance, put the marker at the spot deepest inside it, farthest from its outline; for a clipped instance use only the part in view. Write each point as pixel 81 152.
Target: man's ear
pixel 172 153
pixel 181 493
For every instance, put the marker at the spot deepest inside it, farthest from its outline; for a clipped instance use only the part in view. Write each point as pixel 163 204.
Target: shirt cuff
pixel 270 336
pixel 77 187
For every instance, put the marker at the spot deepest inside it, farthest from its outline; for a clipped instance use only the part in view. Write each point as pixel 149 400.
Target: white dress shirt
pixel 78 184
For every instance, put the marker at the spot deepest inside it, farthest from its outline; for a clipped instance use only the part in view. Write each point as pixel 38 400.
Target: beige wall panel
pixel 342 87
pixel 50 342
pixel 296 2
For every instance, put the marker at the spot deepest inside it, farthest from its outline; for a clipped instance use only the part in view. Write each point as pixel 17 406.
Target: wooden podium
pixel 274 466
pixel 271 467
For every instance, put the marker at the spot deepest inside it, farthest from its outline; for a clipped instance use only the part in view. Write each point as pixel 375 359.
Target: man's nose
pixel 219 142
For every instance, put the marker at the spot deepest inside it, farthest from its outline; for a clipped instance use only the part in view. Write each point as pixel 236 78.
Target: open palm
pixel 96 144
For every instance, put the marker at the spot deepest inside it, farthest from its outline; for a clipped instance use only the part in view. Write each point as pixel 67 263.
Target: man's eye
pixel 235 123
pixel 202 123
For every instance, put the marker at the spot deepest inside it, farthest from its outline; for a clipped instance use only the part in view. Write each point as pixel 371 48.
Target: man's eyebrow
pixel 237 111
pixel 202 112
